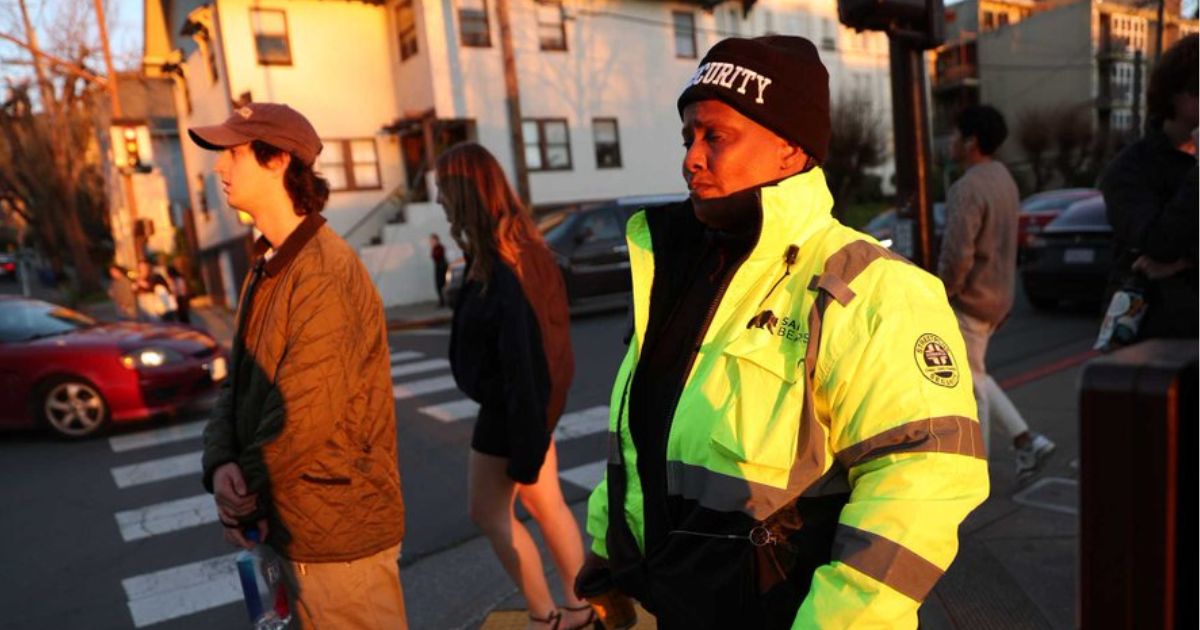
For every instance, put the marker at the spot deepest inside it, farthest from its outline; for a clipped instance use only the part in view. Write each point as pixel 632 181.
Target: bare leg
pixel 490 495
pixel 545 503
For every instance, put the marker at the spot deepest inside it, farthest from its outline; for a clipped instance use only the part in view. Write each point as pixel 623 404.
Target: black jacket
pixel 498 360
pixel 1150 198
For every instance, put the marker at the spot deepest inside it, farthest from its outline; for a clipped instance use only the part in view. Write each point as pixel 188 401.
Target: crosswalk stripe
pixel 402 391
pixel 182 590
pixel 587 476
pixel 163 518
pixel 583 422
pixel 452 411
pixel 420 366
pixel 157 470
pixel 407 355
pixel 157 437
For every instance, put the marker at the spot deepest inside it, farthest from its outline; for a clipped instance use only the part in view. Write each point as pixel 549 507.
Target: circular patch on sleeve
pixel 935 361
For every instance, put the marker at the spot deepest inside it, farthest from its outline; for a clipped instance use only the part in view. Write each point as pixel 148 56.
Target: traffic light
pixel 132 157
pixel 920 22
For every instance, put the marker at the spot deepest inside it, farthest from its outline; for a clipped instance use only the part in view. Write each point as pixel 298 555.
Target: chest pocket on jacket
pixel 764 371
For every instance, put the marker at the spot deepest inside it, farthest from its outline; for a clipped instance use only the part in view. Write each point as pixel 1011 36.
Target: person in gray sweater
pixel 978 265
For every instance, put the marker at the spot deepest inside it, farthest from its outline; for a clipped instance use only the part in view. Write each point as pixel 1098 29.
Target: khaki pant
pixel 992 402
pixel 363 594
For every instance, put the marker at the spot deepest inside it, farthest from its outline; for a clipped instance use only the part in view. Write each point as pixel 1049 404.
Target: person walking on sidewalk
pixel 179 286
pixel 301 445
pixel 510 351
pixel 438 253
pixel 792 440
pixel 155 302
pixel 121 292
pixel 978 265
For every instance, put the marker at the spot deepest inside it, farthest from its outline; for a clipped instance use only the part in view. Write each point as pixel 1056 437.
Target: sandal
pixel 554 619
pixel 591 621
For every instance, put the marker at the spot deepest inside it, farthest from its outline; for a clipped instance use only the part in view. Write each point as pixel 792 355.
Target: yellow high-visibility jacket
pixel 830 365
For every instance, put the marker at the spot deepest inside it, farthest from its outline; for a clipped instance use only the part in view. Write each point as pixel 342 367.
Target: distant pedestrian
pixel 179 287
pixel 155 301
pixel 978 265
pixel 301 445
pixel 438 253
pixel 120 291
pixel 1150 196
pixel 510 351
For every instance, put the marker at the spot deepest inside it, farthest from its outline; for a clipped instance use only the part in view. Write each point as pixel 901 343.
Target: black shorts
pixel 491 433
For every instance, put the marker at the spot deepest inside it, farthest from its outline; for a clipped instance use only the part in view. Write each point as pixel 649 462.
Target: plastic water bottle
pixel 1124 316
pixel 262 586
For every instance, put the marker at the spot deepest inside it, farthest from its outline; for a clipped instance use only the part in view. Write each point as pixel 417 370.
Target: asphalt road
pixel 116 532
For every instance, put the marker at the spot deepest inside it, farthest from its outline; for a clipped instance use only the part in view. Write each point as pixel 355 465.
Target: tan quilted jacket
pixel 308 411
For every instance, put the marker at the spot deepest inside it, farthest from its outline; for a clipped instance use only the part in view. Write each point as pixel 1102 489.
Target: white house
pixel 391 84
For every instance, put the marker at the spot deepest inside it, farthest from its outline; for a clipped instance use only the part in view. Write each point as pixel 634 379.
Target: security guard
pixel 793 439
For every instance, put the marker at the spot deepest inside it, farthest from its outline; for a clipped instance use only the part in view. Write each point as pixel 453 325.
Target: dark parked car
pixel 1071 258
pixel 1040 209
pixel 883 228
pixel 589 245
pixel 75 375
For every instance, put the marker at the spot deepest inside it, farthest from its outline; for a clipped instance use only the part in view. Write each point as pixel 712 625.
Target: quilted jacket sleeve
pixel 220 445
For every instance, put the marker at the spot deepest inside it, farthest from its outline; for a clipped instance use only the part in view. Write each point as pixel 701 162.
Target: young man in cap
pixel 794 440
pixel 302 444
pixel 978 265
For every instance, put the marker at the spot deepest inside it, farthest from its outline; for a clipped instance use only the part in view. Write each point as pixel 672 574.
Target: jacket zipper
pixel 695 350
pixel 759 535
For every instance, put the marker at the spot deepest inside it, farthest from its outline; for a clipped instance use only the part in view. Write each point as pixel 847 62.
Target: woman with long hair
pixel 510 351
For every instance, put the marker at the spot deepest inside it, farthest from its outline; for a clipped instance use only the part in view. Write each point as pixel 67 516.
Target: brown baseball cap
pixel 274 123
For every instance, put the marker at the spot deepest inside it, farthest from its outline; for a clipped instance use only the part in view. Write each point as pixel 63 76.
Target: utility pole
pixel 910 123
pixel 512 98
pixel 117 114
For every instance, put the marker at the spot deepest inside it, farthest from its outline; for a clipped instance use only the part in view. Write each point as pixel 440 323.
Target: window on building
pixel 473 27
pixel 828 38
pixel 406 28
pixel 271 37
pixel 685 34
pixel 351 164
pixel 608 142
pixel 1002 19
pixel 552 32
pixel 989 20
pixel 547 144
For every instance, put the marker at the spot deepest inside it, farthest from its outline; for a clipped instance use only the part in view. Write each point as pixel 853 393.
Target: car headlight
pixel 150 357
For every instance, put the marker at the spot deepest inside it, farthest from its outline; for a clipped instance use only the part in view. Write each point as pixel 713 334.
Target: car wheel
pixel 72 407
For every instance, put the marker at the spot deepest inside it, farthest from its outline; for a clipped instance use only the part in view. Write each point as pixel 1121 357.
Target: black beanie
pixel 778 81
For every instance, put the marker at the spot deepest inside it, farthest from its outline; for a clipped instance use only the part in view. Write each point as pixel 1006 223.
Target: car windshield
pixel 552 226
pixel 1087 215
pixel 1054 201
pixel 26 320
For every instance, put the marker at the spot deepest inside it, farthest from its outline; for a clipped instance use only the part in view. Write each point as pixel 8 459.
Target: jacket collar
pixel 792 211
pixel 292 245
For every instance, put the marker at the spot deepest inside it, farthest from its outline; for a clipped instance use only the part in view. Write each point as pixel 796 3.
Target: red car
pixel 1039 209
pixel 75 375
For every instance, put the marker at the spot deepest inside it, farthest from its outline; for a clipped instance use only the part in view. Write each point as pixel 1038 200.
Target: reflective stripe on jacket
pixel 830 366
